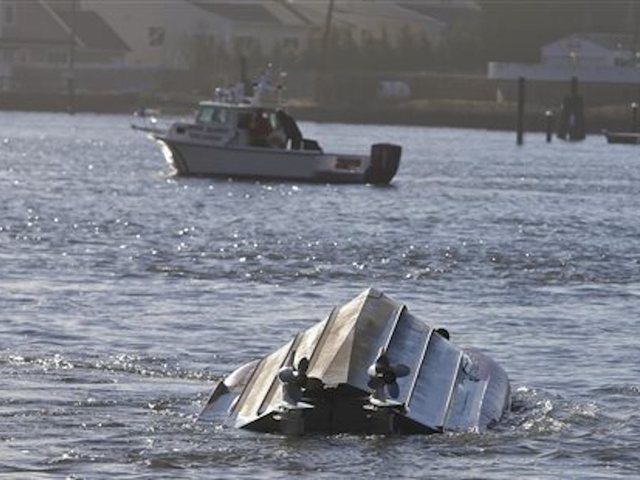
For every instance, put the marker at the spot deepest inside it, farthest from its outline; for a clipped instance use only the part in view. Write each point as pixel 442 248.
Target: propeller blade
pixel 401 370
pixel 394 390
pixel 303 365
pixel 382 361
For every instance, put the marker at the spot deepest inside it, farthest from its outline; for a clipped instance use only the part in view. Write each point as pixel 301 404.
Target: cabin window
pixel 215 115
pixel 244 120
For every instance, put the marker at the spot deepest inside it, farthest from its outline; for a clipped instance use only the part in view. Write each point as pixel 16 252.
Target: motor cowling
pixel 385 160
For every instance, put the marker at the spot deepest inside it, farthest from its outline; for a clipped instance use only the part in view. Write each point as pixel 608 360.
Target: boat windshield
pixel 210 114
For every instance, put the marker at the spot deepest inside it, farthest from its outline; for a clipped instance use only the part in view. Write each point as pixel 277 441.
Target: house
pixel 589 49
pixel 165 34
pixel 365 20
pixel 591 57
pixel 268 26
pixel 159 44
pixel 42 44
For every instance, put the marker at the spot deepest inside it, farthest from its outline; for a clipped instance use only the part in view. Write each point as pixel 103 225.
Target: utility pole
pixel 321 76
pixel 325 35
pixel 71 88
pixel 633 20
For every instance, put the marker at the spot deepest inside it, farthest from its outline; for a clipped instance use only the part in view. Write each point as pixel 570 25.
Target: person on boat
pixel 290 128
pixel 259 129
pixel 278 137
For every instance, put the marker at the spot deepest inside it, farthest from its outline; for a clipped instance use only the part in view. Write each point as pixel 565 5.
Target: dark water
pixel 125 293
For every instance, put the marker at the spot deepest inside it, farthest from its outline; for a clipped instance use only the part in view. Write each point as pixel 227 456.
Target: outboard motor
pixel 385 159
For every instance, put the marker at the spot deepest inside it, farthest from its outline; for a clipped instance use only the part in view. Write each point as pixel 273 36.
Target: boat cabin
pixel 248 125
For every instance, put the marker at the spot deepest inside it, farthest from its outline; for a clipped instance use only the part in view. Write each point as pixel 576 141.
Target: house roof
pixel 92 30
pixel 265 12
pixel 445 13
pixel 371 16
pixel 47 23
pixel 240 11
pixel 607 41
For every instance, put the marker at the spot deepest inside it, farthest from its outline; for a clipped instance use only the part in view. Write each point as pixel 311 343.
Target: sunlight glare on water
pixel 127 292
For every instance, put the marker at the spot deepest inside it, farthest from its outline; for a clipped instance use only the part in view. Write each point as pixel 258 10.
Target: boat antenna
pixel 280 88
pixel 243 75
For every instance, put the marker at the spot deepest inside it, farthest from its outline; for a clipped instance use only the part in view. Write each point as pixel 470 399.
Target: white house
pixel 591 57
pixel 40 40
pixel 161 34
pixel 265 25
pixel 372 19
pixel 589 49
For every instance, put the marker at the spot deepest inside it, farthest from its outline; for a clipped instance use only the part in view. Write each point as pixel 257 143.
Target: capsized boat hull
pixel 199 159
pixel 369 367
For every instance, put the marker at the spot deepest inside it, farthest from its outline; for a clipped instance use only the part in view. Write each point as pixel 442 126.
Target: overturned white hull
pixel 370 367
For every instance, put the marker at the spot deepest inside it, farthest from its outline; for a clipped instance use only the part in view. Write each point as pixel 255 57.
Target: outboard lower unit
pixel 370 367
pixel 385 160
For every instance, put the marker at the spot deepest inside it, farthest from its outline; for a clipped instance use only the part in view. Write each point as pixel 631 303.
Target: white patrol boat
pixel 233 136
pixel 370 367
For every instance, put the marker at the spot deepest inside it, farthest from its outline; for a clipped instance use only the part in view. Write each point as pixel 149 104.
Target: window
pixel 9 14
pixel 156 36
pixel 246 43
pixel 57 57
pixel 213 115
pixel 290 43
pixel 244 120
pixel 39 55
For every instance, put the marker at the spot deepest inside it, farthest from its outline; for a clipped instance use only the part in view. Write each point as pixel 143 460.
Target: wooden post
pixel 548 115
pixel 326 34
pixel 322 81
pixel 571 125
pixel 574 86
pixel 520 118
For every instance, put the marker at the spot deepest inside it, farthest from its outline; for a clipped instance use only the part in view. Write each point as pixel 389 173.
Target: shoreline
pixel 419 112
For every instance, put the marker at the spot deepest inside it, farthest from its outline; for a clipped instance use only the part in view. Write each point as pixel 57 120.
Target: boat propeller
pixel 295 380
pixel 383 374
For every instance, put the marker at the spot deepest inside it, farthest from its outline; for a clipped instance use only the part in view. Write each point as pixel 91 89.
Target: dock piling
pixel 520 114
pixel 548 115
pixel 571 125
